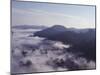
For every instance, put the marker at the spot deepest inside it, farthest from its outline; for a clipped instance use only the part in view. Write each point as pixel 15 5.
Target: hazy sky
pixel 33 13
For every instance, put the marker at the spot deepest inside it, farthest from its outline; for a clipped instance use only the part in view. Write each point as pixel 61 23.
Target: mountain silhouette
pixel 50 31
pixel 84 40
pixel 29 27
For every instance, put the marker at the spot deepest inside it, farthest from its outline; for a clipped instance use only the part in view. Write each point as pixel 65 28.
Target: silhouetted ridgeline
pixel 82 40
pixel 29 27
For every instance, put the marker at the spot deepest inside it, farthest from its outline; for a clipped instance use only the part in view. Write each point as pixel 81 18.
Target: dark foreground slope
pixel 82 40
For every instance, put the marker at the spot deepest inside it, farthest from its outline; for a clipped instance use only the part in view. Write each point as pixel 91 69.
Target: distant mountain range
pixel 66 35
pixel 82 40
pixel 29 27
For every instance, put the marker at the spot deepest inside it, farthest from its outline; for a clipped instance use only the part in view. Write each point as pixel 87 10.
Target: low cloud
pixel 29 54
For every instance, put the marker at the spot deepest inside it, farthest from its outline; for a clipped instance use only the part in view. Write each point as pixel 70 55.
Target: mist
pixel 37 54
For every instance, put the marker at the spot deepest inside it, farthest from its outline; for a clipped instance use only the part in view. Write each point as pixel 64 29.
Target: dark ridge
pixel 83 41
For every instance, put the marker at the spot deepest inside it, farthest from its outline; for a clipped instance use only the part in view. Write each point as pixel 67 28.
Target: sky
pixel 49 14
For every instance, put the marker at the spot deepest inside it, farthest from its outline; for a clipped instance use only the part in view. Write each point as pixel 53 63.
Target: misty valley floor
pixel 37 54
